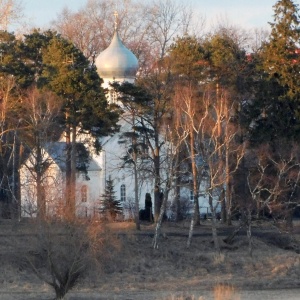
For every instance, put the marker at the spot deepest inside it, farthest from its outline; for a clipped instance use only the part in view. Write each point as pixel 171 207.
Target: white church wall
pixel 122 173
pixel 88 191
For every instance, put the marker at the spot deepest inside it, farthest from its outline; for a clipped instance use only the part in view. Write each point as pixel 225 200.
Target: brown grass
pixel 225 292
pixel 220 292
pixel 172 269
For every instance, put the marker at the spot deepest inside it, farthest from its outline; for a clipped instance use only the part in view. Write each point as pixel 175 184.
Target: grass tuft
pixel 225 292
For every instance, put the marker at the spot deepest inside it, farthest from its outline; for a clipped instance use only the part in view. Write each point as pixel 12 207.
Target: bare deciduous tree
pixel 10 12
pixel 41 111
pixel 190 117
pixel 273 180
pixel 146 28
pixel 170 168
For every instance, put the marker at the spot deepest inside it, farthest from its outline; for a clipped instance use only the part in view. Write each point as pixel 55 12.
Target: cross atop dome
pixel 116 20
pixel 116 62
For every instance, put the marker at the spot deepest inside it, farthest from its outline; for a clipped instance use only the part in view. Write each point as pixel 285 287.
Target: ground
pixel 172 271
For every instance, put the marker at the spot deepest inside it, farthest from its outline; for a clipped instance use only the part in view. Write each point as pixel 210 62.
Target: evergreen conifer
pixel 110 206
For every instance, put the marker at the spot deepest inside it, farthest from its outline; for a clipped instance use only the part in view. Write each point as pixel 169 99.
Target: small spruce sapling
pixel 110 206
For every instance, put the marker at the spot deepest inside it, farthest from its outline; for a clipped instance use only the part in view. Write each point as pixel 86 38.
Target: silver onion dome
pixel 116 61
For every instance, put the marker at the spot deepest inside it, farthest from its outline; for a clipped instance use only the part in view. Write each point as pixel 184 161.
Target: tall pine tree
pixel 274 113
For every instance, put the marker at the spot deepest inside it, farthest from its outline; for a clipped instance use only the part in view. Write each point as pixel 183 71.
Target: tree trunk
pixel 162 213
pixel 178 214
pixel 160 219
pixel 73 172
pixel 195 179
pixel 214 225
pixel 192 225
pixel 228 198
pixel 223 206
pixel 41 204
pixel 15 204
pixel 249 232
pixel 68 171
pixel 136 196
pixel 157 197
pixel 135 171
pixel 289 219
pixel 60 292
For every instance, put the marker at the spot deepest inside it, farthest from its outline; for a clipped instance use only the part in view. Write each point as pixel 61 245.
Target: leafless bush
pixel 63 251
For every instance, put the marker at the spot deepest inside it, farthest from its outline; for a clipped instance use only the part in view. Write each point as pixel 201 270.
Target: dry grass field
pixel 136 271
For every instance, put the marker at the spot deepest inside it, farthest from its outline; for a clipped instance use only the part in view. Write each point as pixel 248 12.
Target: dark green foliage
pixel 138 102
pixel 69 74
pixel 50 62
pixel 225 60
pixel 268 116
pixel 187 58
pixel 280 54
pixel 110 206
pixel 83 158
pixel 274 112
pixel 13 63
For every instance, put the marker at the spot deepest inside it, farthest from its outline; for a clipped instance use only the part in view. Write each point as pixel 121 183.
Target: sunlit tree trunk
pixel 73 171
pixel 40 195
pixel 214 225
pixel 161 216
pixel 68 171
pixel 228 194
pixel 157 190
pixel 135 171
pixel 196 183
pixel 136 194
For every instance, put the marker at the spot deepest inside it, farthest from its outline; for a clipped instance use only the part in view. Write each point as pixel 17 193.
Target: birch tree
pixel 40 116
pixel 170 169
pixel 10 13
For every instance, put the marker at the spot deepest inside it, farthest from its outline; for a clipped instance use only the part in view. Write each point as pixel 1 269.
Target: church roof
pixel 116 61
pixel 57 152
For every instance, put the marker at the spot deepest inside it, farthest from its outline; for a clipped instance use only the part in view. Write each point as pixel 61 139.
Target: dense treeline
pixel 231 112
pixel 211 113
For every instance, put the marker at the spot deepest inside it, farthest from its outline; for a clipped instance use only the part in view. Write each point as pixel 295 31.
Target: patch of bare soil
pixel 137 271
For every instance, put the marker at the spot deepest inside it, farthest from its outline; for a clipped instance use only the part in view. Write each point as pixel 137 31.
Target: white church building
pixel 114 64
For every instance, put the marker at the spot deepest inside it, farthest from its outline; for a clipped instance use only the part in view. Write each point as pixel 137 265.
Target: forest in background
pixel 224 103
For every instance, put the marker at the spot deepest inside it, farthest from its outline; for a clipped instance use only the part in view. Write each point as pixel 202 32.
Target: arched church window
pixel 123 193
pixel 84 193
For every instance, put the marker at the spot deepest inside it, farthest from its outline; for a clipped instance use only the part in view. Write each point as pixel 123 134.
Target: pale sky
pixel 244 13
